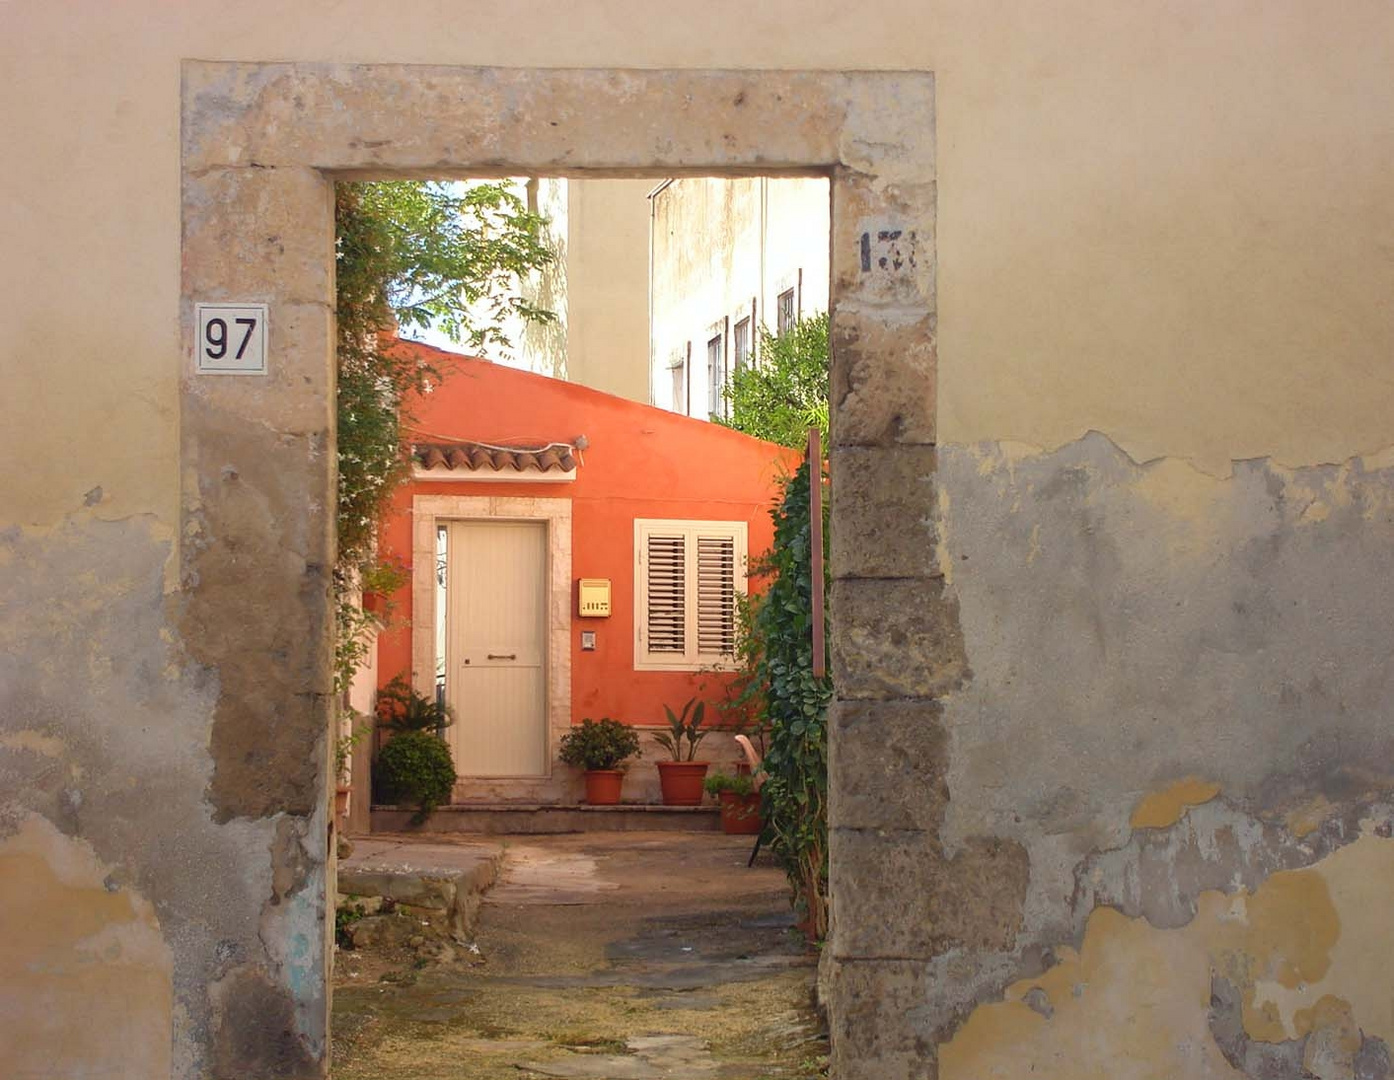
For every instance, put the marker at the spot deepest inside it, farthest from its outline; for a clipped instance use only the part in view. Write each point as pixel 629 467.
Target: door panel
pixel 496 677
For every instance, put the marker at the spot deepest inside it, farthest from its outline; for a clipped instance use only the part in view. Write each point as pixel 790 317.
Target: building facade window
pixel 740 343
pixel 677 372
pixel 784 311
pixel 716 375
pixel 686 579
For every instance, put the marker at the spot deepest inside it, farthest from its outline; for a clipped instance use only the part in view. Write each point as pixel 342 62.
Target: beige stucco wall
pixel 1171 224
pixel 607 273
pixel 1183 215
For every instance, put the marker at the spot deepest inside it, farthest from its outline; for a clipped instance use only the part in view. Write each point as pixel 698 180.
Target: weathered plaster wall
pixel 723 250
pixel 1167 223
pixel 137 916
pixel 1149 808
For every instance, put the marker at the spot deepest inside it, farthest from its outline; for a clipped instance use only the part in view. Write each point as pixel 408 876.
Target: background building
pixel 597 288
pixel 729 256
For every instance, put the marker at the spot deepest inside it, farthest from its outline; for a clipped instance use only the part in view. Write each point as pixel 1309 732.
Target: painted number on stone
pixel 890 250
pixel 231 339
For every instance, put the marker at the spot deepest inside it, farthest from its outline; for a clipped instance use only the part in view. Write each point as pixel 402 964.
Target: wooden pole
pixel 815 516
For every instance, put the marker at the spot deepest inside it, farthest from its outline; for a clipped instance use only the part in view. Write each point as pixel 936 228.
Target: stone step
pixel 442 884
pixel 497 819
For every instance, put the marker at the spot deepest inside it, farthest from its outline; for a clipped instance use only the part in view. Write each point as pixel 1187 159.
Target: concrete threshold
pixel 496 819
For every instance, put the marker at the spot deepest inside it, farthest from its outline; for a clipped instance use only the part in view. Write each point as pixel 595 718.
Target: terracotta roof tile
pixel 478 457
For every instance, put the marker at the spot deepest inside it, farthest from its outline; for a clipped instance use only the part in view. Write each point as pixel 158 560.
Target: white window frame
pixel 719 372
pixel 691 659
pixel 741 360
pixel 680 375
pixel 781 326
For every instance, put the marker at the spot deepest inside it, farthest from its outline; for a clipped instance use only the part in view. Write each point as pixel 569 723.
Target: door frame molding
pixel 427 512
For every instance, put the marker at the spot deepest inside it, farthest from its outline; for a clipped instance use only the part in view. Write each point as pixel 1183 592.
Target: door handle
pixel 503 656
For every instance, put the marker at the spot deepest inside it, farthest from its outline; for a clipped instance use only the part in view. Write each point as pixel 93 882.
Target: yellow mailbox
pixel 595 597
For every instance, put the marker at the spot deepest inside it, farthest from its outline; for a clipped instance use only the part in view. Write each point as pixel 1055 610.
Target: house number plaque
pixel 231 339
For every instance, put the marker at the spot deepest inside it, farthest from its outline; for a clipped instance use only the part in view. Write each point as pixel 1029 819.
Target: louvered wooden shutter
pixel 666 578
pixel 716 596
pixel 686 580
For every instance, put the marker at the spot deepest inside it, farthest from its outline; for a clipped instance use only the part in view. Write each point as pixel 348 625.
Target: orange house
pixel 573 554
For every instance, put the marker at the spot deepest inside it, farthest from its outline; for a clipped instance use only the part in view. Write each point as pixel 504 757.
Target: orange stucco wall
pixel 642 462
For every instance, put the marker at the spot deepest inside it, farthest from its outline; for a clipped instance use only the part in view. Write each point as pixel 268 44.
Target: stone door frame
pixel 261 145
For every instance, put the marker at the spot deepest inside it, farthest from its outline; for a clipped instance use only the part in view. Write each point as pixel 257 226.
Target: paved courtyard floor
pixel 606 956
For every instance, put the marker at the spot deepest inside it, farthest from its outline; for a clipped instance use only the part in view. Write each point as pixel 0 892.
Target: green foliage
pixel 739 695
pixel 681 729
pixel 415 768
pixel 354 627
pixel 410 253
pixel 777 663
pixel 400 708
pixel 786 393
pixel 736 785
pixel 599 744
pixel 345 915
pixel 451 255
pixel 344 744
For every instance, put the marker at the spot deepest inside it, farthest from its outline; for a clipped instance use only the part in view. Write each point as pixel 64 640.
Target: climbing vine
pixel 413 254
pixel 792 704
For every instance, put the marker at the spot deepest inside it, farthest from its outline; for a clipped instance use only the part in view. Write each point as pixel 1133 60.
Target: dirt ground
pixel 608 956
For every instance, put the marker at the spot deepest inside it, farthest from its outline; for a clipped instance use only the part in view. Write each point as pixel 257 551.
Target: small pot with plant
pixel 740 803
pixel 415 766
pixel 600 747
pixel 681 778
pixel 351 732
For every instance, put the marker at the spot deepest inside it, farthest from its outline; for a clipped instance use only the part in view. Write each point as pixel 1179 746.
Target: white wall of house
pixel 724 252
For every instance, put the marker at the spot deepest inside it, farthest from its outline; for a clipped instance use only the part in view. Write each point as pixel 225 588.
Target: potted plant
pixel 740 803
pixel 599 747
pixel 415 766
pixel 681 778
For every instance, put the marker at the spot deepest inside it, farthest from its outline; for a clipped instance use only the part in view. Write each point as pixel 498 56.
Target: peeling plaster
pixel 75 934
pixel 1136 1001
pixel 1121 643
pixel 1161 809
pixel 104 744
pixel 1173 693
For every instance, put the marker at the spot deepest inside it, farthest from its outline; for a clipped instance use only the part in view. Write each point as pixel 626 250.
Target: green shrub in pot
pixel 415 768
pixel 599 744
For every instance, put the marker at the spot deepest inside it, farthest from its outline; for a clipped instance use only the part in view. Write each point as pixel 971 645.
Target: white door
pixel 496 647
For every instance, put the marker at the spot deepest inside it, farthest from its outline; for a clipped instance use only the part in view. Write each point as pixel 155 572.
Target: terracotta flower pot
pixel 341 801
pixel 603 786
pixel 681 782
pixel 740 814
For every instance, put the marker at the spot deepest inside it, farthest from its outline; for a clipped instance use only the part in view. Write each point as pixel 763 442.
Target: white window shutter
pixel 687 576
pixel 665 622
pixel 716 596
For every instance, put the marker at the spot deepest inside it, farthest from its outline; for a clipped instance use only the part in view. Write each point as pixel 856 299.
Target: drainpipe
pixel 653 214
pixel 764 230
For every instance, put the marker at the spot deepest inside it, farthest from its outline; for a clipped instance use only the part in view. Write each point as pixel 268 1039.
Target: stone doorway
pixel 262 145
